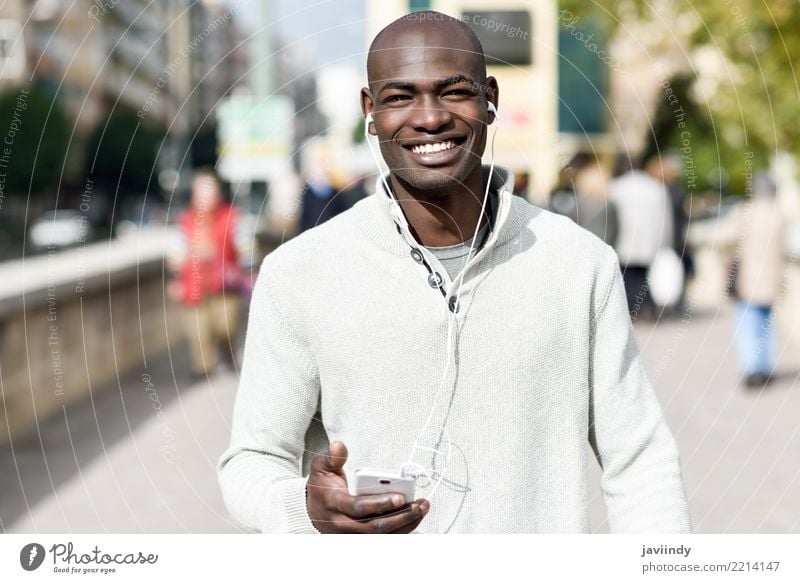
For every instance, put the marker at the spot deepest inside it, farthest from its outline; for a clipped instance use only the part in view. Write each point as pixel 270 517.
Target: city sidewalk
pixel 140 458
pixel 150 473
pixel 739 448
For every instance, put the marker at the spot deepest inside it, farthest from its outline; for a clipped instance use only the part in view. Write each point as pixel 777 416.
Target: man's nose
pixel 429 116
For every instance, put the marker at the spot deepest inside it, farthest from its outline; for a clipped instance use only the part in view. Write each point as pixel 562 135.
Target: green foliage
pixel 755 106
pixel 34 138
pixel 121 154
pixel 680 124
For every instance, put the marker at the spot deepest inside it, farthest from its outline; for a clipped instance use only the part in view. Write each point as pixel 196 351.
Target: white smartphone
pixel 378 481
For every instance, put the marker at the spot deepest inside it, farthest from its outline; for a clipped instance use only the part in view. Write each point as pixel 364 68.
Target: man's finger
pixel 332 461
pixel 424 506
pixel 368 505
pixel 401 522
pixel 387 523
pixel 337 456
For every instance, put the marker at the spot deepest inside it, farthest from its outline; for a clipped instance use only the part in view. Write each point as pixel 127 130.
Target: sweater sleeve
pixel 641 480
pixel 260 473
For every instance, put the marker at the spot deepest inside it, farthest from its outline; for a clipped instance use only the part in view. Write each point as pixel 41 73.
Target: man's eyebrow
pixel 438 85
pixel 454 80
pixel 400 85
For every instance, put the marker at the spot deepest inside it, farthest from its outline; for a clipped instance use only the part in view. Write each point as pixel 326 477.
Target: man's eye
pixel 396 98
pixel 458 93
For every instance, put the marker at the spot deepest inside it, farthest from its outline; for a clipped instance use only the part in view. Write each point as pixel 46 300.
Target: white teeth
pixel 432 148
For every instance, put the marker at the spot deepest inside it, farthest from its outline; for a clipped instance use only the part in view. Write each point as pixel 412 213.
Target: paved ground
pixel 740 450
pixel 114 464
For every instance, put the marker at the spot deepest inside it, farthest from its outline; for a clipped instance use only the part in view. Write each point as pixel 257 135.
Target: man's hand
pixel 333 510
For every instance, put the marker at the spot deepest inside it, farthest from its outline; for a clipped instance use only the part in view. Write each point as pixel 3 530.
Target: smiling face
pixel 428 94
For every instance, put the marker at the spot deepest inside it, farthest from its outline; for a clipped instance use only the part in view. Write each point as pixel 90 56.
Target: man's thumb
pixel 334 460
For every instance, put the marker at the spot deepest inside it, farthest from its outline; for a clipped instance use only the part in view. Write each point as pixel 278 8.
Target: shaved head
pixel 426 28
pixel 428 97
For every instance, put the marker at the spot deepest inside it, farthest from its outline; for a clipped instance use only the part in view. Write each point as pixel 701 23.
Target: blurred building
pixel 98 56
pixel 298 75
pixel 219 61
pixel 65 53
pixel 170 61
pixel 12 45
pixel 219 64
pixel 168 57
pixel 520 40
pixel 256 120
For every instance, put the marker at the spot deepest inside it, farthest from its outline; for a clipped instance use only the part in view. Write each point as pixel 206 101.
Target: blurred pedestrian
pixel 320 202
pixel 208 276
pixel 562 198
pixel 758 272
pixel 321 199
pixel 594 211
pixel 645 227
pixel 584 198
pixel 353 189
pixel 668 169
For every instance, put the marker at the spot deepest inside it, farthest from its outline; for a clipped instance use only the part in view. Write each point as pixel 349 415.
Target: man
pixel 755 231
pixel 489 384
pixel 645 227
pixel 320 199
pixel 668 169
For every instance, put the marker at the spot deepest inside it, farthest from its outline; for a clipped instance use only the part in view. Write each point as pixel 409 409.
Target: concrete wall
pixel 75 320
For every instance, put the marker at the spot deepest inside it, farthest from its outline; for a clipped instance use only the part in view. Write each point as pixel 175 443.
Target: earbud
pixel 368 120
pixel 493 109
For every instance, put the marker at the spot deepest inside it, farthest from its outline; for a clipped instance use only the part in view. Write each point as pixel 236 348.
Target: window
pixel 582 80
pixel 12 50
pixel 506 36
pixel 414 5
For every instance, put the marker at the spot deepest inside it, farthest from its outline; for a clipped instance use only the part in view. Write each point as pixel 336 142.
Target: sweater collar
pixel 388 229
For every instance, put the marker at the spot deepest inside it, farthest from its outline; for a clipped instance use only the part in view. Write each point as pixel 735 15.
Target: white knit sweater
pixel 347 340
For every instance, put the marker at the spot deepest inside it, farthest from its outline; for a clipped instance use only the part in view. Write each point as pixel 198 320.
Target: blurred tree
pixel 121 155
pixel 697 141
pixel 746 53
pixel 35 137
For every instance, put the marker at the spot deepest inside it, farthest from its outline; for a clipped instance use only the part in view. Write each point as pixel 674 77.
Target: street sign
pixel 255 137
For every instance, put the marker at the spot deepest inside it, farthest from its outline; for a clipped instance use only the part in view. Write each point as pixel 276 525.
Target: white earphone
pixel 410 467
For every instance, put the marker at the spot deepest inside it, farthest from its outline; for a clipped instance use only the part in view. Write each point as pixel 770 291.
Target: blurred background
pixel 152 152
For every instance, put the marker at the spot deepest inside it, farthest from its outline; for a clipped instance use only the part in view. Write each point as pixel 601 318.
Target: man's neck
pixel 447 218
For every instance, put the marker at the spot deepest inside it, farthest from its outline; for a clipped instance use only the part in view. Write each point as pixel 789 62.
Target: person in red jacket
pixel 208 274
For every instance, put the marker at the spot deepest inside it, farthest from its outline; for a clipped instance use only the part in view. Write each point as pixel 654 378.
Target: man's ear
pixel 492 95
pixel 367 105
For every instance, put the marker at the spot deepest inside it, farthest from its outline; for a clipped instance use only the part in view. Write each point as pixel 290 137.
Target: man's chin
pixel 436 180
